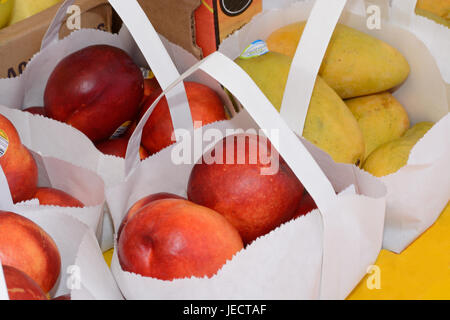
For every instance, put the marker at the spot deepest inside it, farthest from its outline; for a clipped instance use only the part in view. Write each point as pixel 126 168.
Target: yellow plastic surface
pixel 422 271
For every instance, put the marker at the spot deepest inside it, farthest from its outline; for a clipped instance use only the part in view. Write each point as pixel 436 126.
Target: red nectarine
pixel 96 90
pixel 172 239
pixel 254 203
pixel 21 286
pixel 206 106
pixel 55 197
pixel 27 247
pixel 142 203
pixel 17 163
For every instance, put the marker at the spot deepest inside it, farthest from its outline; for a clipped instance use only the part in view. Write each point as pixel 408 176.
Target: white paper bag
pixel 84 274
pixel 322 255
pixel 78 182
pixel 416 196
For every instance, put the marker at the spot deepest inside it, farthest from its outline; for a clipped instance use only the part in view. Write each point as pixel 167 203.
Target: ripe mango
pixel 6 7
pixel 27 8
pixel 329 123
pixel 355 63
pixel 437 10
pixel 392 156
pixel 381 118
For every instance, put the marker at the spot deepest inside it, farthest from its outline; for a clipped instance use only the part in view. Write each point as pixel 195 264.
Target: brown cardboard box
pixel 20 41
pixel 199 26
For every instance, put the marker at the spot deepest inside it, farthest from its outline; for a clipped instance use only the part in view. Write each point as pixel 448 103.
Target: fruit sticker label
pixel 4 143
pixel 147 74
pixel 121 130
pixel 255 49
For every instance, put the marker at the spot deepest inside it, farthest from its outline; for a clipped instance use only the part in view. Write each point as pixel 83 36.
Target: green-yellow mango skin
pixel 329 124
pixel 355 63
pixel 381 117
pixel 394 155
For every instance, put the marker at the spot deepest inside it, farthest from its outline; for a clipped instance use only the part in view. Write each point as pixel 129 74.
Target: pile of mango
pixel 352 114
pixel 12 11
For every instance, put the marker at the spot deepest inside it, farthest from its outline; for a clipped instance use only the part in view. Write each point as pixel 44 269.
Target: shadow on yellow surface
pixel 422 271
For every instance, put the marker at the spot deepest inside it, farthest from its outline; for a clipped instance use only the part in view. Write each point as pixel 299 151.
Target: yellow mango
pixel 6 7
pixel 27 8
pixel 355 63
pixel 329 123
pixel 437 10
pixel 381 118
pixel 394 155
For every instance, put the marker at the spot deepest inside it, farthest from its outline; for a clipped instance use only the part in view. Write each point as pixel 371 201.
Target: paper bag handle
pixel 52 34
pixel 232 77
pixel 307 61
pixel 3 288
pixel 157 58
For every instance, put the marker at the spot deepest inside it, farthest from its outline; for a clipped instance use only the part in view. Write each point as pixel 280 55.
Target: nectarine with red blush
pixel 172 239
pixel 17 163
pixel 55 197
pixel 27 247
pixel 235 185
pixel 142 203
pixel 21 286
pixel 206 106
pixel 96 90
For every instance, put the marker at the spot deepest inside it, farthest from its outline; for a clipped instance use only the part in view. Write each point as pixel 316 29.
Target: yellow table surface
pixel 422 271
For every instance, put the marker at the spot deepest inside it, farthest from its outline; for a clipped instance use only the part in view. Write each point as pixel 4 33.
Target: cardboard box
pixel 199 26
pixel 20 41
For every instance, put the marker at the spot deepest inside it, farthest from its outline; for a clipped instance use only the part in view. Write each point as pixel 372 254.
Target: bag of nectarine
pixel 388 80
pixel 38 183
pixel 46 254
pixel 229 211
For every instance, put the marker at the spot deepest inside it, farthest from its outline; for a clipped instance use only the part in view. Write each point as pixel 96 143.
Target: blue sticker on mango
pixel 255 49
